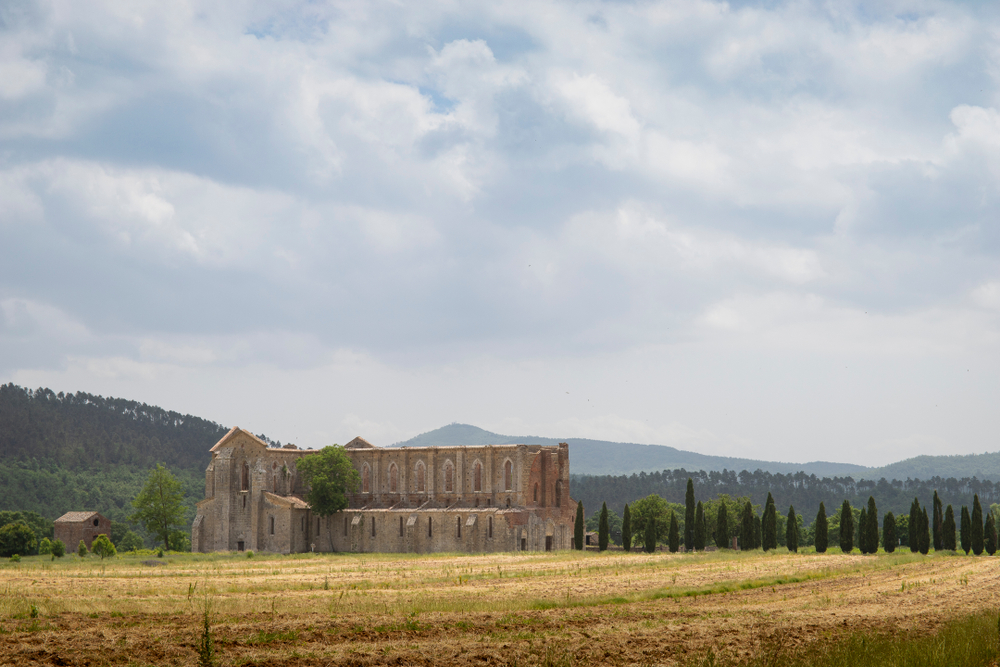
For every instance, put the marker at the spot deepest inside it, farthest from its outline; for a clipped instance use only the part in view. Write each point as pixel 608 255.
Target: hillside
pixel 602 457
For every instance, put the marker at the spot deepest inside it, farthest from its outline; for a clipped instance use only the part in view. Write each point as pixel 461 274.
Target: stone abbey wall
pixel 420 499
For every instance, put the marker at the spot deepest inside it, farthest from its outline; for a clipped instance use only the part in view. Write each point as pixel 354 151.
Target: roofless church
pixel 411 499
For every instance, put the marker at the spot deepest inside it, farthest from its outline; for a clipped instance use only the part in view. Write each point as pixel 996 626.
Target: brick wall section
pixel 248 486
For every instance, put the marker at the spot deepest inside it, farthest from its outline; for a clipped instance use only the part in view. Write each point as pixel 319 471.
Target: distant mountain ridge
pixel 602 457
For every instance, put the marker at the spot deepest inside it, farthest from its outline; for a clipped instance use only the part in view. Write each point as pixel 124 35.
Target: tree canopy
pixel 330 476
pixel 159 507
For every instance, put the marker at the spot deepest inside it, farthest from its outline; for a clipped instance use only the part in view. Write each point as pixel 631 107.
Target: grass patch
pixel 266 638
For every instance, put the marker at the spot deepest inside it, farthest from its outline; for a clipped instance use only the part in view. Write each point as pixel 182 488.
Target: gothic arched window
pixel 419 474
pixel 535 498
pixel 508 475
pixel 559 493
pixel 449 477
pixel 393 478
pixel 245 486
pixel 366 479
pixel 477 476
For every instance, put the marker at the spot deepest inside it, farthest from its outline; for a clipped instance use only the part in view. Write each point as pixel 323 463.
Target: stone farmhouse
pixel 75 527
pixel 411 499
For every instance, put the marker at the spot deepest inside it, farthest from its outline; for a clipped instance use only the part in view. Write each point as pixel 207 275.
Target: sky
pixel 764 229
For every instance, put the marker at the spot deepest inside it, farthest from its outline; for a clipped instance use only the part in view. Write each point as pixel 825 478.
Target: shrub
pixel 58 549
pixel 17 538
pixel 130 542
pixel 249 554
pixel 103 547
pixel 45 546
pixel 81 549
pixel 16 558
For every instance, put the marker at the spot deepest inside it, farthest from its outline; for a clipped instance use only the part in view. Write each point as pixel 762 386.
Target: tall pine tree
pixel 938 524
pixel 626 529
pixel 846 528
pixel 674 534
pixel 722 527
pixel 602 529
pixel 649 536
pixel 792 531
pixel 925 532
pixel 769 525
pixel 889 533
pixel 948 529
pixel 863 531
pixel 914 526
pixel 821 530
pixel 700 528
pixel 689 516
pixel 747 527
pixel 758 539
pixel 871 530
pixel 965 530
pixel 976 530
pixel 578 527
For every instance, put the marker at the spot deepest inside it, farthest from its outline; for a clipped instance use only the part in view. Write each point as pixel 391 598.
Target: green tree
pixel 118 531
pixel 649 537
pixel 81 549
pixel 103 547
pixel 722 527
pixel 689 516
pixel 626 529
pixel 846 528
pixel 990 534
pixel 757 532
pixel 925 532
pixel 769 525
pixel 17 538
pixel 674 534
pixel 747 527
pixel 45 546
pixel 976 530
pixel 700 528
pixel 948 530
pixel 602 531
pixel 58 549
pixel 938 522
pixel 578 527
pixel 821 530
pixel 652 508
pixel 889 533
pixel 965 530
pixel 330 476
pixel 862 536
pixel 159 506
pixel 914 526
pixel 792 530
pixel 131 542
pixel 871 527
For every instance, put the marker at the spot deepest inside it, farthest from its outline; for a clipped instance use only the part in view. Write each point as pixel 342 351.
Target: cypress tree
pixel 862 537
pixel 925 532
pixel 976 532
pixel 626 530
pixel 602 529
pixel 872 528
pixel 746 527
pixel 990 534
pixel 948 529
pixel 578 527
pixel 769 525
pixel 674 536
pixel 792 531
pixel 757 537
pixel 938 524
pixel 649 537
pixel 821 530
pixel 700 528
pixel 914 526
pixel 965 530
pixel 846 528
pixel 889 533
pixel 689 516
pixel 722 527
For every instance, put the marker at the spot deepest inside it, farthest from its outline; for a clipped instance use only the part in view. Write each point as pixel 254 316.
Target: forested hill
pixel 63 452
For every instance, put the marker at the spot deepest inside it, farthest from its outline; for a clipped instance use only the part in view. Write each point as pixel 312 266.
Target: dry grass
pixel 566 607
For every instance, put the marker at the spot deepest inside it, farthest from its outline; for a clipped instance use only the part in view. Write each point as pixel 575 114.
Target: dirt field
pixel 584 608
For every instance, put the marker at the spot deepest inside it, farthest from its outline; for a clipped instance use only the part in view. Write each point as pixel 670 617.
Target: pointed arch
pixel 393 478
pixel 418 475
pixel 508 475
pixel 534 497
pixel 477 476
pixel 449 476
pixel 559 493
pixel 366 479
pixel 245 484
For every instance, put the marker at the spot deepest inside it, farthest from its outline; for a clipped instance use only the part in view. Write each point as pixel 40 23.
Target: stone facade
pixel 72 527
pixel 411 499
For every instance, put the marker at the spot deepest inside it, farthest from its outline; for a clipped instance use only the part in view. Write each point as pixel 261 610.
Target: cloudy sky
pixel 769 229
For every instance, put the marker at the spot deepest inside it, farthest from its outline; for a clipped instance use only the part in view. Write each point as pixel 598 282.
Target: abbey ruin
pixel 411 499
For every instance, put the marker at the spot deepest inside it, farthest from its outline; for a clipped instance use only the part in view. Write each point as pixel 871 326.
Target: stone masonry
pixel 411 499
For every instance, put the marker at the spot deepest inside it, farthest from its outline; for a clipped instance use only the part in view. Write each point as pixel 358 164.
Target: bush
pixel 16 558
pixel 58 549
pixel 250 554
pixel 45 546
pixel 130 542
pixel 103 547
pixel 81 550
pixel 16 538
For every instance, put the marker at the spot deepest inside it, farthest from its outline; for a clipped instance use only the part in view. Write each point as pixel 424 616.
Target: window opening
pixel 400 526
pixel 272 525
pixel 373 526
pixel 559 493
pixel 449 477
pixel 366 479
pixel 458 527
pixel 420 476
pixel 430 527
pixel 508 476
pixel 393 478
pixel 477 476
pixel 245 486
pixel 535 499
pixel 345 525
pixel 490 524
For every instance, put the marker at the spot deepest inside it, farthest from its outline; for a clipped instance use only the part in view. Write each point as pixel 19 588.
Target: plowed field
pixel 584 608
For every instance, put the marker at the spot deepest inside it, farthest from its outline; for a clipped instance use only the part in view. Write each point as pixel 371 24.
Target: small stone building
pixel 411 499
pixel 72 527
